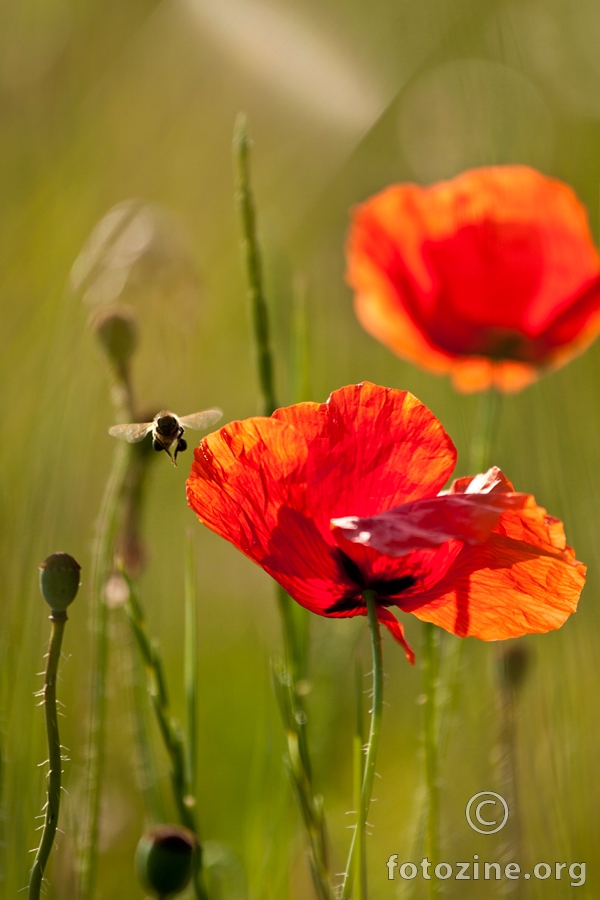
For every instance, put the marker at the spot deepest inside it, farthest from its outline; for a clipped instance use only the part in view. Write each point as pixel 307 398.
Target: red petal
pixel 270 486
pixel 429 523
pixel 523 579
pixel 492 481
pixel 369 448
pixel 247 485
pixel 396 630
pixel 422 539
pixel 488 276
pixel 242 476
pixel 423 568
pixel 305 566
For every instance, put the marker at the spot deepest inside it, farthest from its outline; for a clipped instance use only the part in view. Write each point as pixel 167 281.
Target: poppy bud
pixel 59 580
pixel 164 859
pixel 116 329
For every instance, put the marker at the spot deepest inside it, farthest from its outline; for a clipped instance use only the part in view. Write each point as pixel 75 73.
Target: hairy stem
pixel 430 735
pixel 360 856
pixel 58 619
pixel 373 740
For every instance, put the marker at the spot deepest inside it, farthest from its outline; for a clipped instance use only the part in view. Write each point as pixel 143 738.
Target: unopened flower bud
pixel 59 580
pixel 165 859
pixel 116 329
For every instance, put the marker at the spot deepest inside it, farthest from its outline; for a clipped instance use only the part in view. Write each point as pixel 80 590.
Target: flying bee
pixel 167 429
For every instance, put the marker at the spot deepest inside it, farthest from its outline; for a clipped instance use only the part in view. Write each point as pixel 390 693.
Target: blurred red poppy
pixel 492 277
pixel 479 560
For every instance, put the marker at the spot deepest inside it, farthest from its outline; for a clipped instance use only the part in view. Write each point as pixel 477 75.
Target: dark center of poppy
pixel 491 341
pixel 386 590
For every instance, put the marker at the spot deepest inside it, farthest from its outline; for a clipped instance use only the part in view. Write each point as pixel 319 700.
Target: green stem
pixel 293 714
pixel 168 726
pixel 256 296
pixel 147 766
pixel 288 685
pixel 294 666
pixel 360 860
pixel 374 733
pixel 286 612
pixel 485 431
pixel 309 805
pixel 377 709
pixel 430 682
pixel 101 566
pixel 58 619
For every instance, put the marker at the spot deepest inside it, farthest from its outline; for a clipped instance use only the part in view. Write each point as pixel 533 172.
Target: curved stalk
pixel 58 619
pixel 169 728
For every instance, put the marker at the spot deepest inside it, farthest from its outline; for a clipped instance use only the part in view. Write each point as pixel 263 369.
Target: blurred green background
pixel 101 103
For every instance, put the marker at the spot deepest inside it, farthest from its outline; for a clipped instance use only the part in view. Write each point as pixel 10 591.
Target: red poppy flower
pixel 479 560
pixel 491 277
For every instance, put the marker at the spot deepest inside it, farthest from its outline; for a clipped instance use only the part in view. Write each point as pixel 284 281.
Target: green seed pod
pixel 116 329
pixel 59 580
pixel 165 858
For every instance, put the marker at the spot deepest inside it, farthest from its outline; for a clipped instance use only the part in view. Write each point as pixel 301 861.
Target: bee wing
pixel 201 420
pixel 131 433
